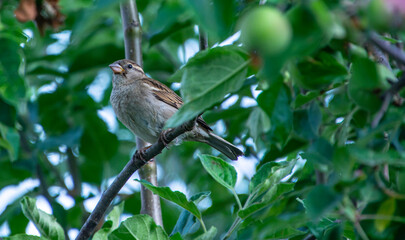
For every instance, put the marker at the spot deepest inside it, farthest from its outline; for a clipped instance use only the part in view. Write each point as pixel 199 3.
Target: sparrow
pixel 143 105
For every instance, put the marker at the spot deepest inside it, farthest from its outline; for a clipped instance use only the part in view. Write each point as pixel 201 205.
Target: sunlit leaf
pixel 138 227
pixel 176 197
pixel 45 223
pixel 221 171
pixel 207 78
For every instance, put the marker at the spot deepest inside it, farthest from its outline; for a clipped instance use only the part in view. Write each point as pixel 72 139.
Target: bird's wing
pixel 168 96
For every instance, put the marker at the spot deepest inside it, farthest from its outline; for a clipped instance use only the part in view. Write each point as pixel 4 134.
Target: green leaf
pixel 275 101
pixel 209 235
pixel 176 236
pixel 12 85
pixel 286 233
pixel 306 122
pixel 320 201
pixel 8 113
pixel 387 208
pixel 366 84
pixel 340 103
pixel 293 145
pixel 318 26
pixel 223 172
pixel 138 227
pixel 10 140
pixel 276 227
pixel 258 123
pixel 268 175
pixel 112 222
pixel 374 158
pixel 305 98
pixel 188 223
pixel 176 197
pixel 320 152
pixel 272 195
pixel 216 17
pixel 45 223
pixel 207 78
pixel 24 237
pixel 318 72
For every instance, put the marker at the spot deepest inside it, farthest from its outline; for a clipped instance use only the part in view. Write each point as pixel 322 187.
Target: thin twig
pixel 203 37
pixel 395 88
pixel 386 190
pixel 74 171
pixel 133 165
pixel 379 56
pixel 391 50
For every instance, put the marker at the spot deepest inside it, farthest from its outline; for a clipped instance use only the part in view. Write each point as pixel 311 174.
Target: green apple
pixel 265 29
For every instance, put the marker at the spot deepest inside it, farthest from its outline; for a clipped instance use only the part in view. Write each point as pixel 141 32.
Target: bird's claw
pixel 163 138
pixel 140 154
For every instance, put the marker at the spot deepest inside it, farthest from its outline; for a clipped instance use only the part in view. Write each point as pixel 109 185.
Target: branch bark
pixel 133 165
pixel 391 50
pixel 133 50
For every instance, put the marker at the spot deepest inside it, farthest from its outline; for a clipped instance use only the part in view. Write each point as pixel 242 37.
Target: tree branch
pixel 379 56
pixel 391 50
pixel 133 50
pixel 134 164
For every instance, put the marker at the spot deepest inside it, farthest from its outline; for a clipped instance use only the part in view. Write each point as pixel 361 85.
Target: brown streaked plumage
pixel 143 105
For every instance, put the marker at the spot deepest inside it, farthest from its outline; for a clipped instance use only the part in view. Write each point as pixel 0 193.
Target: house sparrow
pixel 143 105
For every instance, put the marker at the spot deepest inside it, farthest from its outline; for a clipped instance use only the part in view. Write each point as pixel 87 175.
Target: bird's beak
pixel 116 68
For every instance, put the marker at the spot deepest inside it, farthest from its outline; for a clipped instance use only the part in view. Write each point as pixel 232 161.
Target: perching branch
pixel 133 165
pixel 133 50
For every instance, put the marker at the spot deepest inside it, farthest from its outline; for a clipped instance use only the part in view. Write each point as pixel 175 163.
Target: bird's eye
pixel 130 66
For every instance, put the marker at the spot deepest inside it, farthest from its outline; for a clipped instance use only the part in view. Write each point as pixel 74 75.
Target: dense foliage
pixel 320 116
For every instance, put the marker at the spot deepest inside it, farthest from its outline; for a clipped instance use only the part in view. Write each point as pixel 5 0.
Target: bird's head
pixel 126 70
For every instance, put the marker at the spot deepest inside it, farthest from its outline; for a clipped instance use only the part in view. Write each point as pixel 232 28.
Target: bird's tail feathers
pixel 225 147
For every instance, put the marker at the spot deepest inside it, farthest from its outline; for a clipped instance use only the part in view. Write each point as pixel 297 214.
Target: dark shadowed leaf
pixel 275 101
pixel 366 84
pixel 307 121
pixel 216 17
pixel 10 140
pixel 8 113
pixel 12 85
pixel 320 201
